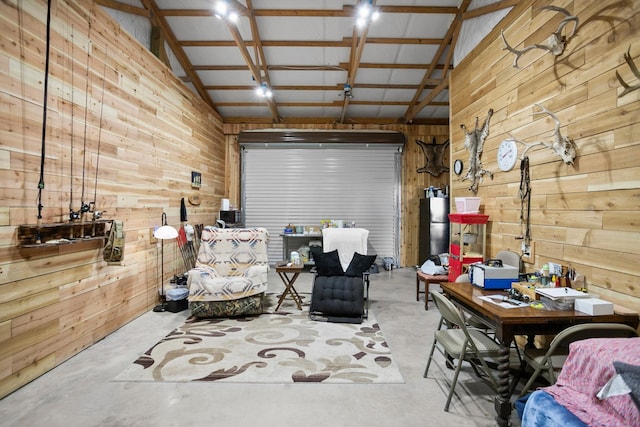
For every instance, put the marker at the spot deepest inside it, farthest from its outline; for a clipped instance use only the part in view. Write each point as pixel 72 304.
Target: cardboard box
pixel 493 277
pixel 594 306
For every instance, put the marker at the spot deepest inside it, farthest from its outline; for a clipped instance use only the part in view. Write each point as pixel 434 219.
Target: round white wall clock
pixel 507 154
pixel 457 167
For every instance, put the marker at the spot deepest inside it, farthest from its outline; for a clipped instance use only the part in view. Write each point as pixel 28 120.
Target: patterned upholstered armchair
pixel 230 277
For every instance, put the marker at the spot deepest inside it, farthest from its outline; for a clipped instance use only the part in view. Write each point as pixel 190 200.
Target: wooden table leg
pixel 502 401
pixel 289 289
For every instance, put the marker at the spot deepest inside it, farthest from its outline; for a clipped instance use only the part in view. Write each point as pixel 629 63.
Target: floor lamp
pixel 165 232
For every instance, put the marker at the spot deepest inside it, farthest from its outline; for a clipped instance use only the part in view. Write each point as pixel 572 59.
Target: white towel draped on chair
pixel 346 241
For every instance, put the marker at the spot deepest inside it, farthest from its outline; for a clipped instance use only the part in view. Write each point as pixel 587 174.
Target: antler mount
pixel 555 43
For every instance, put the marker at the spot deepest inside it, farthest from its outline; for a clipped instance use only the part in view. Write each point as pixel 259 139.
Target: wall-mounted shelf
pixel 64 233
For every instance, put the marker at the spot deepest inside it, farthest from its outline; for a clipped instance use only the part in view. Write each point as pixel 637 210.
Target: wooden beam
pixel 451 32
pixel 337 87
pixel 345 42
pixel 343 66
pixel 323 104
pixel 346 11
pixel 489 9
pixel 123 7
pixel 331 121
pixel 396 66
pixel 253 68
pixel 157 45
pixel 159 20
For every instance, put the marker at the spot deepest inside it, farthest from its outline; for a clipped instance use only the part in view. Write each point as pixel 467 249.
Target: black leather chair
pixel 341 294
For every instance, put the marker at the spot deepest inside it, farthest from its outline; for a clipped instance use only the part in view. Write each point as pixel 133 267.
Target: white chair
pixel 510 258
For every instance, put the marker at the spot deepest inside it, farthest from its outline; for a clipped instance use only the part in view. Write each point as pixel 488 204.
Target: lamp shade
pixel 165 232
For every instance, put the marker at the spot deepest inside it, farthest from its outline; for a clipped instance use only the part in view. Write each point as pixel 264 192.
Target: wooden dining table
pixel 509 322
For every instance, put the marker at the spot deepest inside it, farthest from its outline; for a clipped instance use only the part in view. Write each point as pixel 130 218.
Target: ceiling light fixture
pixel 263 91
pixel 222 10
pixel 347 91
pixel 366 13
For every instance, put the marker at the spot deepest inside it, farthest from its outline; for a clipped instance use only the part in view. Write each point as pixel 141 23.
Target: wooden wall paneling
pixel 25 375
pixel 581 215
pixel 152 132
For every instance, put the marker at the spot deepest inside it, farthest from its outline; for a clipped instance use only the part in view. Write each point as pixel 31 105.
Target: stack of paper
pixel 558 293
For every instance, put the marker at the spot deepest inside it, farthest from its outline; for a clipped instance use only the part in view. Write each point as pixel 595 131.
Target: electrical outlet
pixel 152 238
pixel 528 253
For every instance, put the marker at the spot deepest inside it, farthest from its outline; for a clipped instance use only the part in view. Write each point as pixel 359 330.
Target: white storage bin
pixel 467 204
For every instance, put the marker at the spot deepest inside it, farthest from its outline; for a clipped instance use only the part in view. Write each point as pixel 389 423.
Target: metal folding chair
pixel 457 341
pixel 548 362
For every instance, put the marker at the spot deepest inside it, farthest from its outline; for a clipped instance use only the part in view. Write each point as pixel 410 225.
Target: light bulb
pixel 263 91
pixel 221 9
pixel 364 10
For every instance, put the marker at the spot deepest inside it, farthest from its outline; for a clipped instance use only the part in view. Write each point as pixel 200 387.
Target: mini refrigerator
pixel 434 227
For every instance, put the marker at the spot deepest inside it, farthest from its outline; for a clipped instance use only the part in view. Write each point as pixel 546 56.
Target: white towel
pixel 347 241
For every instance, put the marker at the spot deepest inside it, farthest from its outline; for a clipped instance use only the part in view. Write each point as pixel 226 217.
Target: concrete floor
pixel 81 391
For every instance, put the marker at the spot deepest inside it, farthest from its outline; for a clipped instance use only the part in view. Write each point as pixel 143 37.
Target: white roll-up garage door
pixel 303 185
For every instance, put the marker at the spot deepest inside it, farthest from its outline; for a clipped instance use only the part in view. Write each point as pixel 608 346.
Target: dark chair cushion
pixel 328 263
pixel 359 264
pixel 338 296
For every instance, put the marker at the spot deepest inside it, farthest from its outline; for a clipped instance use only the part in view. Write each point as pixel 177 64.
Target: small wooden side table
pixel 284 269
pixel 427 279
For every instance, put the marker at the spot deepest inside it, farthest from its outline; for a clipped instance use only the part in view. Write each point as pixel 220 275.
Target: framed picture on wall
pixel 196 179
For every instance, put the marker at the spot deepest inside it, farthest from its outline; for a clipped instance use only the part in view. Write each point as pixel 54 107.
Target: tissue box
pixel 493 277
pixel 594 306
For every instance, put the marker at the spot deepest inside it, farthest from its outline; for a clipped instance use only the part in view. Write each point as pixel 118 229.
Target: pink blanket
pixel 586 370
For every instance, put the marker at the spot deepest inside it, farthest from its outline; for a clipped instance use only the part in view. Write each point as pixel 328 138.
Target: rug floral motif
pixel 280 347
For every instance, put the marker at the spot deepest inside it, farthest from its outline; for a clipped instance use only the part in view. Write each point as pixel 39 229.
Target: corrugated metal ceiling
pixel 307 51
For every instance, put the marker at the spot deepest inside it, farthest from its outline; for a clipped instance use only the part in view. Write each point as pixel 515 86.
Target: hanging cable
pixel 44 124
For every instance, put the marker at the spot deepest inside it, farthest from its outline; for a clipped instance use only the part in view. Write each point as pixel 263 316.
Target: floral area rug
pixel 280 347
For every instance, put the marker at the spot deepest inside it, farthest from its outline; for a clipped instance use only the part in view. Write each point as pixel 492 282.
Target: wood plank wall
pixel 152 132
pixel 413 183
pixel 584 215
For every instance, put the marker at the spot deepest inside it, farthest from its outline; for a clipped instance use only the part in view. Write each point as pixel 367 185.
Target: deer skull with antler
pixel 563 146
pixel 634 70
pixel 556 42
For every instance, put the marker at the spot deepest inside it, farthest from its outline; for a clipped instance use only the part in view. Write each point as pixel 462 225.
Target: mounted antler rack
pixel 563 146
pixel 556 42
pixel 57 234
pixel 634 70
